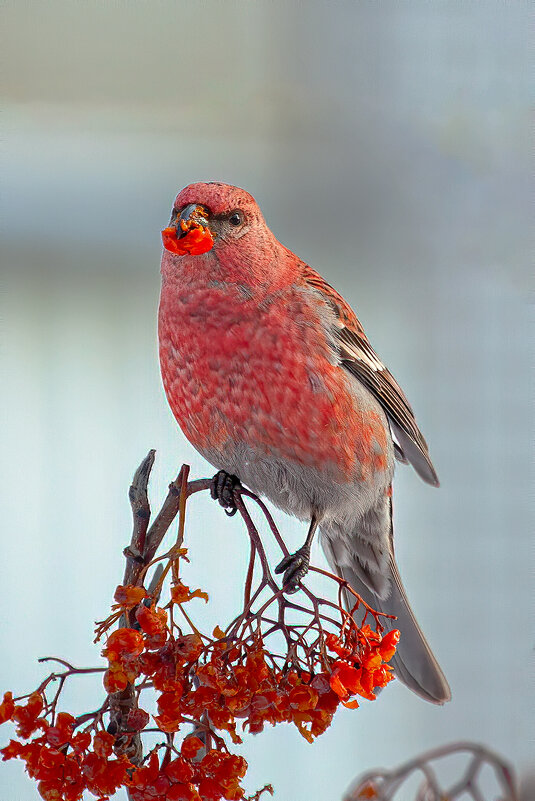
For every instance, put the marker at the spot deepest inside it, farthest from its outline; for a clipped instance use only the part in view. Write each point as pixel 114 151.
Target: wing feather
pixel 359 358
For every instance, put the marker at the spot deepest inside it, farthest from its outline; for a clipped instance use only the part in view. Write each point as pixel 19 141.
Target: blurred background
pixel 387 144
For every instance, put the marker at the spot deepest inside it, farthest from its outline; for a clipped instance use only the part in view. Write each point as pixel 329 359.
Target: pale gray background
pixel 387 145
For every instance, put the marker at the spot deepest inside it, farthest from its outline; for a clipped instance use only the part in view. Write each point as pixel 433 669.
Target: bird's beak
pixel 190 216
pixel 191 234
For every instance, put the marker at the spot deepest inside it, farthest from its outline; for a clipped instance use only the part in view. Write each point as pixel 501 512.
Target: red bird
pixel 272 379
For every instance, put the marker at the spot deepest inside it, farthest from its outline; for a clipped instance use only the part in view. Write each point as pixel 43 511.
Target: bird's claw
pixel 222 489
pixel 295 567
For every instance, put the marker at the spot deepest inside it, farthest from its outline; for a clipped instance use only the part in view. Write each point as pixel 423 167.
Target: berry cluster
pixel 215 684
pixel 64 763
pixel 209 689
pixel 362 664
pixel 195 239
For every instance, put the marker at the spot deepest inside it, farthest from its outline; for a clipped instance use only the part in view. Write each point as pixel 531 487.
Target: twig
pixel 122 703
pixel 385 784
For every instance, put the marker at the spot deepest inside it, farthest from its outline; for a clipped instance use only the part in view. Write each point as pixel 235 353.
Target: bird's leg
pixel 222 489
pixel 295 565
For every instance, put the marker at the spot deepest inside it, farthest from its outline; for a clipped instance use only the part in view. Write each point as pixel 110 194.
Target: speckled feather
pixel 257 355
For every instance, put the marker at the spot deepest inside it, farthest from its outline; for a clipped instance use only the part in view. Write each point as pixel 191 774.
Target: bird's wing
pixel 360 359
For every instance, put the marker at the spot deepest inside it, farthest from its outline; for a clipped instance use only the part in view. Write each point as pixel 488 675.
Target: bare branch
pixel 383 785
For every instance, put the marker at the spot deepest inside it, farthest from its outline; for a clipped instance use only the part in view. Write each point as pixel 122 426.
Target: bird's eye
pixel 236 218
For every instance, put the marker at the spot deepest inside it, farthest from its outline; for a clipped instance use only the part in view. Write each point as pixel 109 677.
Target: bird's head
pixel 220 226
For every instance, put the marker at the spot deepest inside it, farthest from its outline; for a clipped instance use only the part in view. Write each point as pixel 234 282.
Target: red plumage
pixel 271 377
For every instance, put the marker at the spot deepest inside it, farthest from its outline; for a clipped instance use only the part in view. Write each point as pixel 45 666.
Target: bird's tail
pixel 414 663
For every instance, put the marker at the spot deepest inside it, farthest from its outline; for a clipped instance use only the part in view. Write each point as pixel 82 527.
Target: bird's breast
pixel 262 373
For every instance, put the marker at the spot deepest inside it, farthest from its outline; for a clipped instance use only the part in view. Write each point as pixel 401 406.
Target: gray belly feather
pixel 302 490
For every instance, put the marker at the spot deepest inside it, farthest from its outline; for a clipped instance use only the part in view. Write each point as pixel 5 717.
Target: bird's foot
pixel 295 567
pixel 222 489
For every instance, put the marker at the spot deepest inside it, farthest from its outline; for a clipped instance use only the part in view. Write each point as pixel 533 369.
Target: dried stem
pixel 385 784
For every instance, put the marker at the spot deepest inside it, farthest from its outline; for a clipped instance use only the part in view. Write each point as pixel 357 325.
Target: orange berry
pixel 7 707
pixel 129 596
pixel 123 641
pixel 387 647
pixel 152 620
pixel 191 746
pixel 103 744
